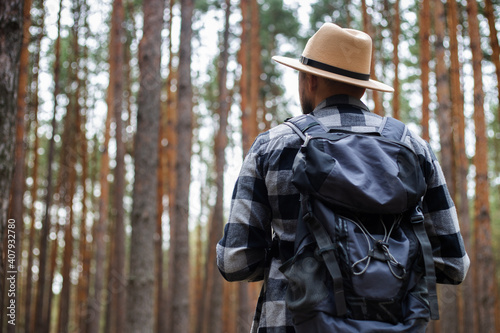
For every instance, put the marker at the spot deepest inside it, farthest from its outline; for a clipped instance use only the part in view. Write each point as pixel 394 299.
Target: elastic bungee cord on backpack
pixel 380 251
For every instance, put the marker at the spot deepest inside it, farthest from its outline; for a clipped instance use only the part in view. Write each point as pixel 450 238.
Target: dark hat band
pixel 333 69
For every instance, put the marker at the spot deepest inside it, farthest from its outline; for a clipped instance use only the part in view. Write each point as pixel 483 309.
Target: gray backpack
pixel 362 259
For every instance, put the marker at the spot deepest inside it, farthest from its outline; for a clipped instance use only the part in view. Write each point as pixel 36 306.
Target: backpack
pixel 362 260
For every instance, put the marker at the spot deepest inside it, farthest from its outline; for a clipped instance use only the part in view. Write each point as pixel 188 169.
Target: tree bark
pixel 44 289
pixel 70 153
pixel 117 280
pixel 466 290
pixel 255 70
pixel 424 34
pixel 443 113
pixel 166 322
pixel 95 304
pixel 84 251
pixel 212 321
pixel 67 194
pixel 395 60
pixel 18 179
pixel 368 28
pixel 140 314
pixel 180 301
pixel 484 273
pixel 243 59
pixel 495 47
pixel 33 191
pixel 11 37
pixel 448 294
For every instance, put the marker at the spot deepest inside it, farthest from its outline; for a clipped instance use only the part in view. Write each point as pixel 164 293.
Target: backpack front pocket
pixel 378 261
pixel 306 276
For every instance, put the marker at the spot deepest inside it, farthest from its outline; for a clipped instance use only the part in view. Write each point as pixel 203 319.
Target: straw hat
pixel 338 54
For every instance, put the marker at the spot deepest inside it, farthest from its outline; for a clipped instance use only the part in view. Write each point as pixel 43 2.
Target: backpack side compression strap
pixel 417 221
pixel 326 249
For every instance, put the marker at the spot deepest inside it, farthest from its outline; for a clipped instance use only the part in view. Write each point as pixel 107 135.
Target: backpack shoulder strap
pixel 392 128
pixel 417 221
pixel 306 123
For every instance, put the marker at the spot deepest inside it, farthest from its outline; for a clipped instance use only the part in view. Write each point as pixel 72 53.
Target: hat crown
pixel 347 49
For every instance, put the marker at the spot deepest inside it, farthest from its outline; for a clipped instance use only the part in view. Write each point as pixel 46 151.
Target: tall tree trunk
pixel 183 169
pixel 166 322
pixel 448 294
pixel 164 148
pixel 110 258
pixel 495 47
pixel 92 303
pixel 424 34
pixel 213 293
pixel 243 59
pixel 444 115
pixel 255 69
pixel 161 173
pixel 29 314
pixel 368 28
pixel 247 126
pixel 67 196
pixel 65 190
pixel 199 291
pixel 84 251
pixel 84 248
pixel 395 60
pixel 466 290
pixel 71 134
pixel 96 301
pixel 117 279
pixel 485 266
pixel 15 236
pixel 44 289
pixel 228 307
pixel 11 37
pixel 140 314
pixel 50 278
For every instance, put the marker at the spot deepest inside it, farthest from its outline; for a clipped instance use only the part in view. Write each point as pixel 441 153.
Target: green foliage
pixel 334 11
pixel 277 21
pixel 204 6
pixel 274 33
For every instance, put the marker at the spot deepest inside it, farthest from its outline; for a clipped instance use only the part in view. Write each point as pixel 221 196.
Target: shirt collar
pixel 337 100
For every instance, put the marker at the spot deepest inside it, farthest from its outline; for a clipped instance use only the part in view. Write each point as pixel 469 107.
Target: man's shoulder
pixel 419 145
pixel 276 138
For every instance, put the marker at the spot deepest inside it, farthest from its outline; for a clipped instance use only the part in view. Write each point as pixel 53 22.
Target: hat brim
pixel 296 64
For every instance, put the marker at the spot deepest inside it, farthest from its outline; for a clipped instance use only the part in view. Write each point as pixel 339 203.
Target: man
pixel 333 76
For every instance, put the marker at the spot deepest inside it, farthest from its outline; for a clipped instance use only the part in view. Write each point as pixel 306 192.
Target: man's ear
pixel 312 83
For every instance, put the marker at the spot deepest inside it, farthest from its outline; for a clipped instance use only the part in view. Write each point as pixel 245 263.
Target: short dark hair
pixel 338 85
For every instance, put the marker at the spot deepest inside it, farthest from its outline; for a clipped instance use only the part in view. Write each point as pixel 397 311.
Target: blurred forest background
pixel 123 124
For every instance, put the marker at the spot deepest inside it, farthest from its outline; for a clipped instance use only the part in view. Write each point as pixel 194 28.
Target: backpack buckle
pixel 417 216
pixel 306 141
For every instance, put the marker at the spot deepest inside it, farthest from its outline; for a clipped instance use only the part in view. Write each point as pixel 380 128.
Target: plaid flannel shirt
pixel 265 206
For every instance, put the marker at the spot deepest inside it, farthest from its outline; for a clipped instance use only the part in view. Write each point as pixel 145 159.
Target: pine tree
pixel 11 29
pixel 140 286
pixel 180 286
pixel 484 274
pixel 212 306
